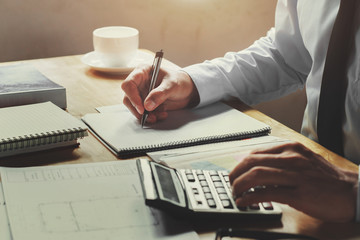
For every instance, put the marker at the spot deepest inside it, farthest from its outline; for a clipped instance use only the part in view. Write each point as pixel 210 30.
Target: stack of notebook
pixel 36 127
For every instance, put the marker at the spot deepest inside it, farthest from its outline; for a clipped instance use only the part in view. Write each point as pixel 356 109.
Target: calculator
pixel 196 194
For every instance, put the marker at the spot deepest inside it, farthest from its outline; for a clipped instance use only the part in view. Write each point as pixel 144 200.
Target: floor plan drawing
pixel 91 215
pixel 92 201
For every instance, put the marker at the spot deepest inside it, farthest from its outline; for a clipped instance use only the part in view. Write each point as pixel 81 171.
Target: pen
pixel 153 76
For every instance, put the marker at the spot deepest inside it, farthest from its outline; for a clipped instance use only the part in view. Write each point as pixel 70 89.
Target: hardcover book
pixel 22 84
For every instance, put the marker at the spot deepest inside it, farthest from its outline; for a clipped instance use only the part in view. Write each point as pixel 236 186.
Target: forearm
pixel 256 74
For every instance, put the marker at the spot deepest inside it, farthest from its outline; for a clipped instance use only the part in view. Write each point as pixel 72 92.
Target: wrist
pixel 194 97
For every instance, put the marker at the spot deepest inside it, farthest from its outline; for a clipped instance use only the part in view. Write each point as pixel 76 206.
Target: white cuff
pixel 209 86
pixel 357 214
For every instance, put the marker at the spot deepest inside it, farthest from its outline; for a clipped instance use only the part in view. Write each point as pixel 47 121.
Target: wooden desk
pixel 87 89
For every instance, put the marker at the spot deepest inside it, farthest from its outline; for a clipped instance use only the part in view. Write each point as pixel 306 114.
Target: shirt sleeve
pixel 272 67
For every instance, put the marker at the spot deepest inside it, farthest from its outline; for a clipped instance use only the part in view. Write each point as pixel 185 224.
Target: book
pixel 121 132
pixel 36 127
pixel 22 84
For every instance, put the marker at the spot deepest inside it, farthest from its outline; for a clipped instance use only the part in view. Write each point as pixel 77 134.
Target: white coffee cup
pixel 116 45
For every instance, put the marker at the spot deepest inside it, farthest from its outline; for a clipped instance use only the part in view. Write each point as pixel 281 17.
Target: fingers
pixel 155 98
pixel 153 117
pixel 159 95
pixel 264 176
pixel 300 157
pixel 277 185
pixel 275 194
pixel 174 90
pixel 293 175
pixel 293 146
pixel 130 106
pixel 135 87
pixel 286 160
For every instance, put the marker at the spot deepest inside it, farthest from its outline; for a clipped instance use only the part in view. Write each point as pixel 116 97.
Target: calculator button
pixel 218 184
pixel 198 171
pixel 221 190
pixel 206 189
pixel 224 196
pixel 213 173
pixel 215 178
pixel 204 183
pixel 254 206
pixel 226 178
pixel 190 177
pixel 211 203
pixel 201 177
pixel 267 205
pixel 195 191
pixel 188 171
pixel 198 199
pixel 226 204
pixel 208 196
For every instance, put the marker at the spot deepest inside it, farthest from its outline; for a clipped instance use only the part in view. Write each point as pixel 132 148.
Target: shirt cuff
pixel 357 214
pixel 209 91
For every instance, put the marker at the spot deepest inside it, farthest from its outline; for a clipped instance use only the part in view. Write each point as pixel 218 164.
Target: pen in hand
pixel 153 77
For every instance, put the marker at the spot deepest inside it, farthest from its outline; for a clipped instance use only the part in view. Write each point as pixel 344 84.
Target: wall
pixel 189 31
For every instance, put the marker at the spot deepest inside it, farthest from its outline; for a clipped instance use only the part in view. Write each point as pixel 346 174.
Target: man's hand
pixel 174 90
pixel 294 175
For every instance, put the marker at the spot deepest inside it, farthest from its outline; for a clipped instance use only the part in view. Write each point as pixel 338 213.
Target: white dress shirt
pixel 291 56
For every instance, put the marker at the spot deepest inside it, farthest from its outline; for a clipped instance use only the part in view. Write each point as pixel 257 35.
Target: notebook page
pixel 121 130
pixel 35 119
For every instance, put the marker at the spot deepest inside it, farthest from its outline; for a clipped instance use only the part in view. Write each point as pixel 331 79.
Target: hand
pixel 174 90
pixel 294 175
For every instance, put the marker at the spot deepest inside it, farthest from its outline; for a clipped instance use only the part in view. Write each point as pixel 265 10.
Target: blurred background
pixel 189 31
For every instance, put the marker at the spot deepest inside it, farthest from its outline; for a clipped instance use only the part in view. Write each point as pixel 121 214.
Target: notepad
pixel 121 132
pixel 36 127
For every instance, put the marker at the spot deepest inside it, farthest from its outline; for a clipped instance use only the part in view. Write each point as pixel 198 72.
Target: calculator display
pixel 166 183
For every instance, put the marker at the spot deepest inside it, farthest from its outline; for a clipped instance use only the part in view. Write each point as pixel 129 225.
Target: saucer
pixel 94 61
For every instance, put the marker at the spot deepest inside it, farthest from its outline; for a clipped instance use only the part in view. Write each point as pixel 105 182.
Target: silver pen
pixel 153 75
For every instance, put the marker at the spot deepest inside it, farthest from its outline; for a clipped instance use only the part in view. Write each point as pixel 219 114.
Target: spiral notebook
pixel 35 127
pixel 121 132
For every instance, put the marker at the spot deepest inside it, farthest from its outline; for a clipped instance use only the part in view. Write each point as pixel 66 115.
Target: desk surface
pixel 87 89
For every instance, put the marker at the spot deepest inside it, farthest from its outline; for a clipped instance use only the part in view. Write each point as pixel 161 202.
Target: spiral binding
pixel 34 140
pixel 135 151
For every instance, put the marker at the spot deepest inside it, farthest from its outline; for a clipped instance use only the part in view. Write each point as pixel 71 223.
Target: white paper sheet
pixel 84 201
pixel 215 156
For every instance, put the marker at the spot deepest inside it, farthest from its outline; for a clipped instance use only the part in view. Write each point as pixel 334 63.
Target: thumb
pixel 157 96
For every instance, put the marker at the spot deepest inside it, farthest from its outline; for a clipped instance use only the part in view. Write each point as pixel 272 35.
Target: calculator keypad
pixel 211 190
